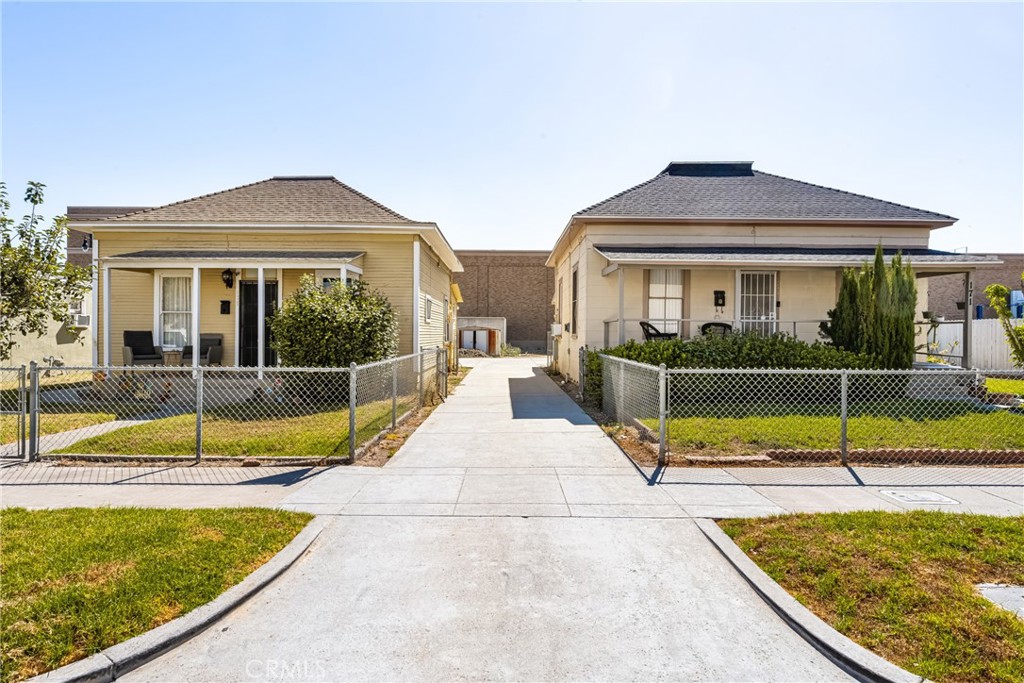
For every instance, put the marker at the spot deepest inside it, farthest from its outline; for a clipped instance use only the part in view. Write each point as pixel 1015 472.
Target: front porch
pixel 682 292
pixel 186 300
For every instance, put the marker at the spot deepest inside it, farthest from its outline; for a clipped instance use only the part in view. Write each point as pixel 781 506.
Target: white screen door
pixel 757 302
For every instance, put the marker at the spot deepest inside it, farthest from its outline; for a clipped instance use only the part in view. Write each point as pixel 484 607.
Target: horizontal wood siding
pixel 435 283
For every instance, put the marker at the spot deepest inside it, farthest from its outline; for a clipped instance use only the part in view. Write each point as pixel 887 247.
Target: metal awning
pixel 784 256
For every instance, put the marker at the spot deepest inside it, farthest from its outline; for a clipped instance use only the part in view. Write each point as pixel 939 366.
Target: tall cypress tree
pixel 874 311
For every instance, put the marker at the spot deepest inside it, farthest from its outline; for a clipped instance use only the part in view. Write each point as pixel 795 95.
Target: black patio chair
pixel 211 350
pixel 652 333
pixel 716 329
pixel 139 349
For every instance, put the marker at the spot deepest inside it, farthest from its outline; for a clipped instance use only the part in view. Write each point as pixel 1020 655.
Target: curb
pixel 855 660
pixel 117 660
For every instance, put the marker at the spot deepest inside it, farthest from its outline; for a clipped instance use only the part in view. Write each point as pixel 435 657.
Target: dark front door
pixel 248 323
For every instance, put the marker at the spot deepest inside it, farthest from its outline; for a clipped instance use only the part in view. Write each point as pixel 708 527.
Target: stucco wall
pixel 71 346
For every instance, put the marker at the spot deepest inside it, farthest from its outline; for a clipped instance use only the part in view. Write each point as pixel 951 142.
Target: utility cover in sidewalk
pixel 1007 596
pixel 922 497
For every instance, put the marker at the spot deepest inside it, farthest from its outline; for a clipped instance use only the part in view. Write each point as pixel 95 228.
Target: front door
pixel 248 323
pixel 757 302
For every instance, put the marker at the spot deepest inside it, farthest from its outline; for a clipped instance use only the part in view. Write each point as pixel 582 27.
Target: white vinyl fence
pixel 989 348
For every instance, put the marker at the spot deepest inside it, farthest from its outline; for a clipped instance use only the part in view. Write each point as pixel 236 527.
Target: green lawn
pixel 1005 386
pixel 752 428
pixel 77 581
pixel 902 584
pixel 53 420
pixel 247 429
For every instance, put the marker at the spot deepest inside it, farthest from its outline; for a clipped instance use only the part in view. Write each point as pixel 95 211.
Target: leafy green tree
pixel 37 284
pixel 874 312
pixel 318 328
pixel 999 300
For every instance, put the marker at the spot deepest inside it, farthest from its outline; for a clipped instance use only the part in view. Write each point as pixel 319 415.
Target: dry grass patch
pixel 903 584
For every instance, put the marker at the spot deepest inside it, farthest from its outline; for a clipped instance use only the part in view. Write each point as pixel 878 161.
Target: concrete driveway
pixel 459 560
pixel 502 598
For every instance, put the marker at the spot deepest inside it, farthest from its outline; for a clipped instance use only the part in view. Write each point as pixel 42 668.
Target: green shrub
pixel 509 351
pixel 331 328
pixel 778 351
pixel 743 351
pixel 999 298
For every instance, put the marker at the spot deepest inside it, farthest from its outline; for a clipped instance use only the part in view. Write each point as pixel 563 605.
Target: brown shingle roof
pixel 281 199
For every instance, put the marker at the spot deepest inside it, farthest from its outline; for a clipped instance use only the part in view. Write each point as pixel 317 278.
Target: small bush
pixel 509 351
pixel 331 328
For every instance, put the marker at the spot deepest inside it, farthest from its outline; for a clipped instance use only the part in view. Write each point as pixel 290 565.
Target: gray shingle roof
pixel 733 190
pixel 852 255
pixel 281 199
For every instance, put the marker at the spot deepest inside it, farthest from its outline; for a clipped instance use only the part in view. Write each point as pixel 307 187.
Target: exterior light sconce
pixel 228 276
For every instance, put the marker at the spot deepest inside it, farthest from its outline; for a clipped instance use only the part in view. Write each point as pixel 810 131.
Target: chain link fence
pixel 13 412
pixel 945 416
pixel 323 414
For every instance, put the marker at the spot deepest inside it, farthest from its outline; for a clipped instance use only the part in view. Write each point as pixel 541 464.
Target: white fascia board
pixel 655 263
pixel 429 232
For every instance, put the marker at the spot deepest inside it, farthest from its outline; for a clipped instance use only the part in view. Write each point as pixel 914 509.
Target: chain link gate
pixel 13 413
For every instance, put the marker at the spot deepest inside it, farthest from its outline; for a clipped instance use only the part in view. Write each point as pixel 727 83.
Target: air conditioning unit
pixel 81 320
pixel 556 329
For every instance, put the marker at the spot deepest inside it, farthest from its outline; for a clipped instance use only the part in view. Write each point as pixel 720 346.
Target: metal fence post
pixel 22 409
pixel 199 413
pixel 620 395
pixel 843 411
pixel 662 414
pixel 420 389
pixel 394 394
pixel 352 373
pixel 33 411
pixel 583 370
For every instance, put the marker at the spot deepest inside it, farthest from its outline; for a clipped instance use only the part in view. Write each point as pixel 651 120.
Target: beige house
pixel 209 265
pixel 713 247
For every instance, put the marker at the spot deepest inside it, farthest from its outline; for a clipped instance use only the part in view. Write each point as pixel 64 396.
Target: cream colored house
pixel 209 265
pixel 718 246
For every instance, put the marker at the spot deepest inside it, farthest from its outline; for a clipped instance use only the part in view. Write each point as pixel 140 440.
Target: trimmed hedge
pixel 778 351
pixel 743 351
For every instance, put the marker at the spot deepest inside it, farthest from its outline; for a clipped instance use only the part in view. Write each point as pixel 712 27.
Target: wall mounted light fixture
pixel 228 276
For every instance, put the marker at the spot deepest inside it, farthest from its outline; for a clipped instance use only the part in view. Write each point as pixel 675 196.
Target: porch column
pixel 261 308
pixel 280 302
pixel 622 306
pixel 195 316
pixel 106 316
pixel 94 311
pixel 343 275
pixel 968 317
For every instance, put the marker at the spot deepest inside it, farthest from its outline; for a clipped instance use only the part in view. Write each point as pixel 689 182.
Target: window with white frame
pixel 175 313
pixel 428 309
pixel 328 277
pixel 665 298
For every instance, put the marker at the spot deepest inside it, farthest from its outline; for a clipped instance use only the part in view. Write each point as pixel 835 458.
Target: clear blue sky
pixel 500 121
